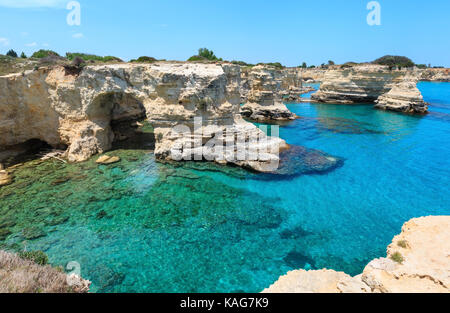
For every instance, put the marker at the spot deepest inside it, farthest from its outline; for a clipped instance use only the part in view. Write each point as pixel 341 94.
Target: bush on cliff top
pixel 144 59
pixel 394 60
pixel 44 54
pixel 204 55
pixel 91 57
pixel 277 65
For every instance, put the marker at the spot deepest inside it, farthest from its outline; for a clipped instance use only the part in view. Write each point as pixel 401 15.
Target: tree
pixel 23 55
pixel 331 62
pixel 204 55
pixel 11 53
pixel 394 61
pixel 207 54
pixel 304 65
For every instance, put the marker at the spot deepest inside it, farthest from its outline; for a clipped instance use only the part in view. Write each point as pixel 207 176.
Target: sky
pixel 286 31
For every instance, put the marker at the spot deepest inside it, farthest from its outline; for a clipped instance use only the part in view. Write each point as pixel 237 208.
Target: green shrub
pixel 277 65
pixel 304 65
pixel 11 53
pixel 205 55
pixel 37 257
pixel 241 63
pixel 402 244
pixel 23 55
pixel 397 257
pixel 331 62
pixel 145 59
pixel 195 58
pixel 44 54
pixel 394 60
pixel 91 57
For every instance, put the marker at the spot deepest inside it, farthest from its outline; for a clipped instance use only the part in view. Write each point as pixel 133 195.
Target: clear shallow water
pixel 140 226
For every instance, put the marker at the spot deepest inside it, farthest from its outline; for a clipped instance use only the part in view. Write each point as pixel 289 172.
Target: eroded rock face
pixel 358 84
pixel 436 75
pixel 77 110
pixel 263 90
pixel 403 97
pixel 368 83
pixel 422 265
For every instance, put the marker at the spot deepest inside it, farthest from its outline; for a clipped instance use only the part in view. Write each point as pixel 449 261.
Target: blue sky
pixel 290 32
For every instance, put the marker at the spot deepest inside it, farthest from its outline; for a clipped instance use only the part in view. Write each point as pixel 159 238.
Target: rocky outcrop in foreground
pixel 418 261
pixel 368 83
pixel 76 111
pixel 22 276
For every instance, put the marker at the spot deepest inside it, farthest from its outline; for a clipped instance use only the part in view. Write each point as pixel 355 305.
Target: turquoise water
pixel 141 226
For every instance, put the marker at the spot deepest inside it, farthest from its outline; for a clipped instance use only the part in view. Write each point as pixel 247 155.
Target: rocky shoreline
pixel 417 262
pixel 78 112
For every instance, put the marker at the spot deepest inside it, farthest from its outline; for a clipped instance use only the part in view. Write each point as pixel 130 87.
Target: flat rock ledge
pixel 422 265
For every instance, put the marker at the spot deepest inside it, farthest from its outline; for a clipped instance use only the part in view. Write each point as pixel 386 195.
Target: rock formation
pixel 436 75
pixel 263 90
pixel 76 110
pixel 417 262
pixel 358 84
pixel 403 97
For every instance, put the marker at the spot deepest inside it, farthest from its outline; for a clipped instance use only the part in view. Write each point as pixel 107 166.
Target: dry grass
pixel 22 276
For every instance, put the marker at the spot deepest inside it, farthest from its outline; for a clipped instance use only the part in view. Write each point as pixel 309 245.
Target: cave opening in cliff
pixel 29 150
pixel 128 121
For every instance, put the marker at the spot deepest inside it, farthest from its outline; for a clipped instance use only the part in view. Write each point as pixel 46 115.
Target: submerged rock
pixel 106 160
pixel 298 160
pixel 33 233
pixel 5 178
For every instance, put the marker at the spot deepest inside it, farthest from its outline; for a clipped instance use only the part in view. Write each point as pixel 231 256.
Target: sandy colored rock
pixel 5 178
pixel 424 245
pixel 104 159
pixel 368 83
pixel 426 265
pixel 77 110
pixel 263 88
pixel 403 97
pixel 323 281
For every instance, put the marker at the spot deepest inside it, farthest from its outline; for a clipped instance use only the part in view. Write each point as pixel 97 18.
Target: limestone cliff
pixel 358 84
pixel 436 75
pixel 403 97
pixel 263 90
pixel 76 110
pixel 417 262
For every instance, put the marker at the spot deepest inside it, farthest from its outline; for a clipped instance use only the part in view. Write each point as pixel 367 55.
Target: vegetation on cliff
pixel 44 54
pixel 204 54
pixel 144 59
pixel 394 61
pixel 91 57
